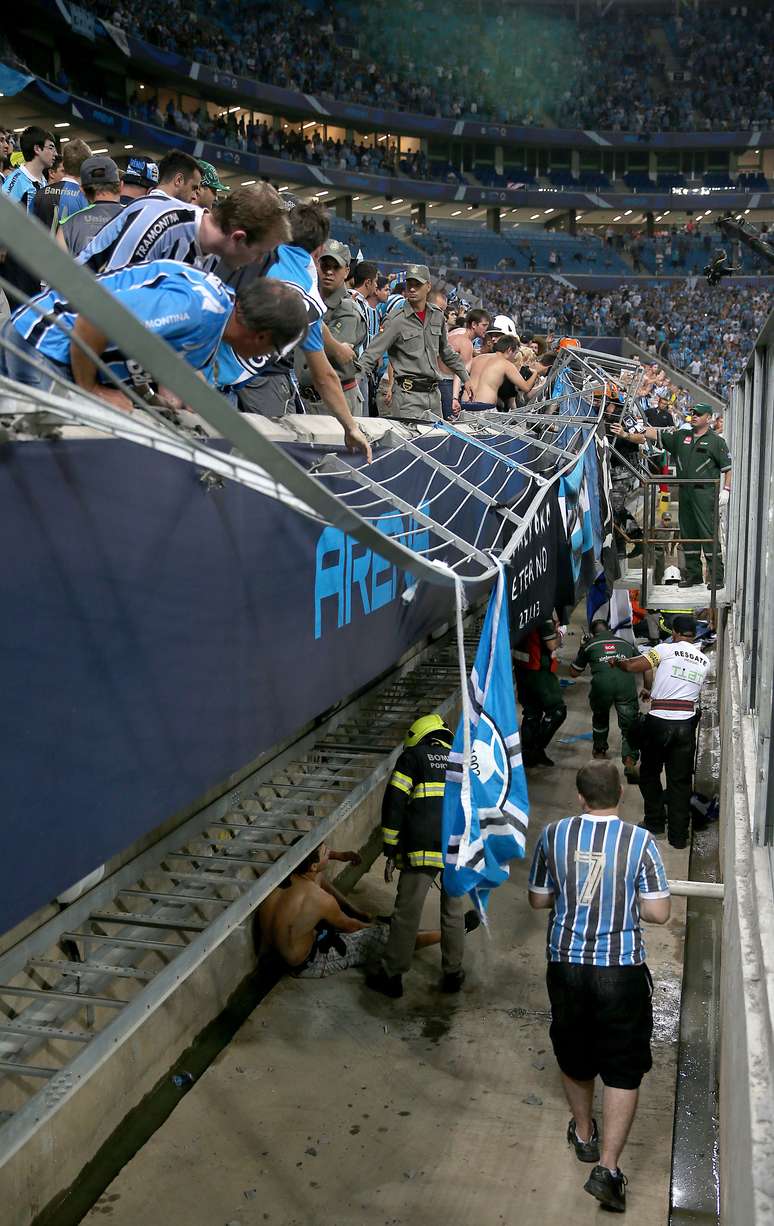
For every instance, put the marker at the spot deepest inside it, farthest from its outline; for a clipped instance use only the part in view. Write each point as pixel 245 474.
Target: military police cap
pixel 337 251
pixel 418 272
pixel 701 410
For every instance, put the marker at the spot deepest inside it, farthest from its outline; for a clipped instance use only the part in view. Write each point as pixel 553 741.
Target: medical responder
pixel 414 337
pixel 537 686
pixel 346 324
pixel 669 739
pixel 699 453
pixel 609 688
pixel 412 813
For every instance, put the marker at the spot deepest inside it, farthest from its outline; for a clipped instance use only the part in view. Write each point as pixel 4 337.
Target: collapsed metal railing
pixel 197 885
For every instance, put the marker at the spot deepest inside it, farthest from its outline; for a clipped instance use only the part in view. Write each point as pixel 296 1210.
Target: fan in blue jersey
pixel 237 230
pixel 22 183
pixel 192 310
pixel 601 877
pixel 271 390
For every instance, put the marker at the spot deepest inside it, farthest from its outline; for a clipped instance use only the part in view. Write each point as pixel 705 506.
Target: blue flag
pixel 485 803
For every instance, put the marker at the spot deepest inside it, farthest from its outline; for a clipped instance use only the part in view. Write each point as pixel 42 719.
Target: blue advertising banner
pixel 157 637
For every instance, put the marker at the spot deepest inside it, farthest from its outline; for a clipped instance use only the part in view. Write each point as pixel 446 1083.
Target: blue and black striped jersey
pixel 597 868
pixel 153 228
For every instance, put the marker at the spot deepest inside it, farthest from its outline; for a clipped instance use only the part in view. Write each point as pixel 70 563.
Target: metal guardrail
pixel 90 977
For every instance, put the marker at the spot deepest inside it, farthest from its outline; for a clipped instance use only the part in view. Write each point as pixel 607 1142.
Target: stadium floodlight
pixel 376 208
pixel 61 125
pixel 457 213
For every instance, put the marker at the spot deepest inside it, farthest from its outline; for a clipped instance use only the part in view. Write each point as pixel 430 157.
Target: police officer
pixel 698 453
pixel 414 337
pixel 609 688
pixel 669 742
pixel 412 813
pixel 345 323
pixel 539 693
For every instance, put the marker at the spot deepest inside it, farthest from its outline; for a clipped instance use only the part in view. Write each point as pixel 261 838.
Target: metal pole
pixel 697 889
pixel 715 548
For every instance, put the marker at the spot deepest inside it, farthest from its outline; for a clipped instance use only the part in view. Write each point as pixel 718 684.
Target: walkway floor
pixel 336 1107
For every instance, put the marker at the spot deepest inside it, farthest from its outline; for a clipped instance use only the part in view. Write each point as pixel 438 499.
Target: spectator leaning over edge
pixel 601 877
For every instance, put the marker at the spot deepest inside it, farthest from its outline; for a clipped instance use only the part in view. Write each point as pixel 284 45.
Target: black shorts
pixel 601 1022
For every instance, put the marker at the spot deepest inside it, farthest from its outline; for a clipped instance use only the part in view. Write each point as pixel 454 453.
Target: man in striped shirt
pixel 245 225
pixel 600 876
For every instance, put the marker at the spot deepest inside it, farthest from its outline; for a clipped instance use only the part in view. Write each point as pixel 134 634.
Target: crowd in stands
pixel 639 72
pixel 705 331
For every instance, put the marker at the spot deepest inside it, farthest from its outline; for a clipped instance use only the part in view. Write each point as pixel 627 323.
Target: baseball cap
pixel 210 177
pixel 702 410
pixel 505 325
pixel 683 623
pixel 337 251
pixel 140 171
pixel 418 272
pixel 98 169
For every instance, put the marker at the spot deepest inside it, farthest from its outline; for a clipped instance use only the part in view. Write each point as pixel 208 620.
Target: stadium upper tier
pixel 648 73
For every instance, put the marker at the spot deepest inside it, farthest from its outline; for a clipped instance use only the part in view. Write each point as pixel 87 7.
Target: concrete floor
pixel 336 1107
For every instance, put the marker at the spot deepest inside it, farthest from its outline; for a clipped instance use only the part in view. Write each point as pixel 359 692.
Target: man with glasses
pixel 22 184
pixel 39 149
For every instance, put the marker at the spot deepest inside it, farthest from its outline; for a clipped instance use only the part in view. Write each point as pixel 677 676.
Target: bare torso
pixel 486 375
pixel 288 918
pixel 463 345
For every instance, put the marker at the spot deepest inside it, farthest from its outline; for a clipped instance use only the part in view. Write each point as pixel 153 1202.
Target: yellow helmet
pixel 422 726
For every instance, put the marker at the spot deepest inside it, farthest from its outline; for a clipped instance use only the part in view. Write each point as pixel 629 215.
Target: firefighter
pixel 537 686
pixel 412 813
pixel 701 454
pixel 609 688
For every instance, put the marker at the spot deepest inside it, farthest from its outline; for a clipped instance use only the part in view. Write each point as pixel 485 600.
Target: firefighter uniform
pixel 539 693
pixel 412 814
pixel 704 457
pixel 413 346
pixel 609 687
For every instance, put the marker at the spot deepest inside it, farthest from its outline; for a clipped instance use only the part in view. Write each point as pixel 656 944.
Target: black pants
pixel 668 744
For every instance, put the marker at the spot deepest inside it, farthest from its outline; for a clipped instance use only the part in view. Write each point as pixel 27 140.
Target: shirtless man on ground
pixel 489 370
pixel 315 930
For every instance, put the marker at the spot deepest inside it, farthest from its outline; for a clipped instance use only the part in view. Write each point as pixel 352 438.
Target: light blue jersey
pixel 22 188
pixel 295 267
pixel 597 868
pixel 188 308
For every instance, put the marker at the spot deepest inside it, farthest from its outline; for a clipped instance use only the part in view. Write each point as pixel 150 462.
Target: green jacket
pixel 705 457
pixel 611 682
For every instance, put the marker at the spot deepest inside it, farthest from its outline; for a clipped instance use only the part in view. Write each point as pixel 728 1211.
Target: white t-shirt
pixel 681 669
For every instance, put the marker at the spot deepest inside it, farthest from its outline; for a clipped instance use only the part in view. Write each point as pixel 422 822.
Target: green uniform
pixel 414 347
pixel 609 687
pixel 705 458
pixel 347 325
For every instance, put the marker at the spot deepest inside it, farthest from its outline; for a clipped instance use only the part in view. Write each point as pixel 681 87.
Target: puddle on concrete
pixel 667 990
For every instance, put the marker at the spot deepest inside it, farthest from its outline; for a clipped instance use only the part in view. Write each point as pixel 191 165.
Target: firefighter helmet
pixel 422 727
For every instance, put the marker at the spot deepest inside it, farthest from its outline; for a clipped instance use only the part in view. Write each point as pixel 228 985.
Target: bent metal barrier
pixel 178 606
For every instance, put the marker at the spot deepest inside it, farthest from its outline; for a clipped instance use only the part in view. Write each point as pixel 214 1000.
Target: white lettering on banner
pixel 526 572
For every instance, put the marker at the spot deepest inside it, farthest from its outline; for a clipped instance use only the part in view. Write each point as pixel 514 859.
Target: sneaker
pixel 452 981
pixel 689 583
pixel 542 758
pixel 585 1151
pixel 608 1187
pixel 598 754
pixel 388 985
pixel 678 844
pixel 472 920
